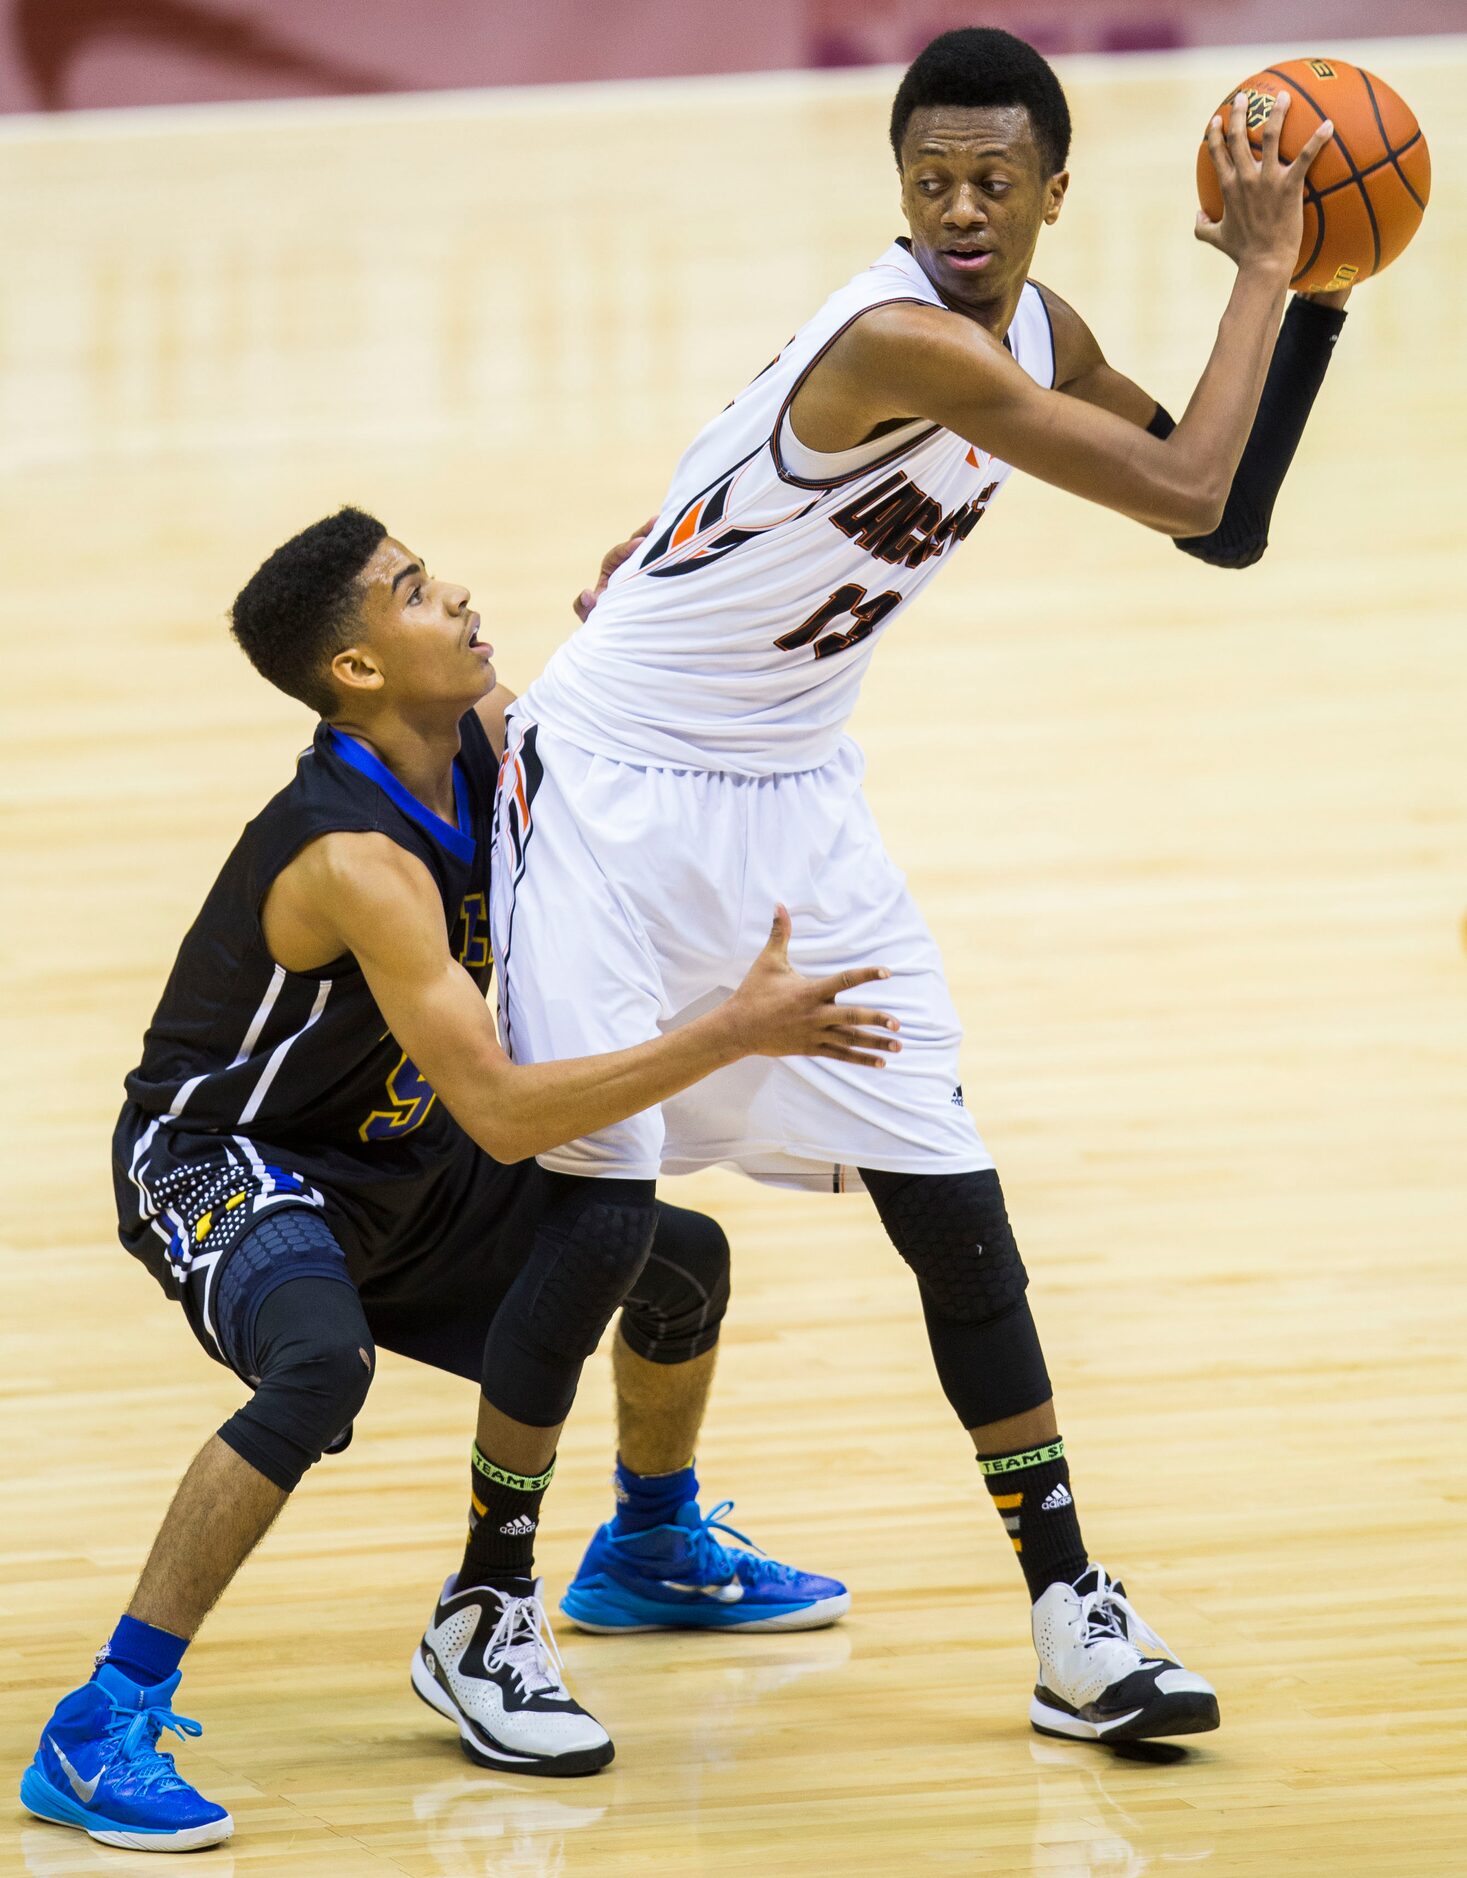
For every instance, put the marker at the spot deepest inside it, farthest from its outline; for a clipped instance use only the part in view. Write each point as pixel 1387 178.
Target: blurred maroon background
pixel 69 54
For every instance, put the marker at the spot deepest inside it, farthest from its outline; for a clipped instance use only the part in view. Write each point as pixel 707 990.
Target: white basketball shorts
pixel 628 900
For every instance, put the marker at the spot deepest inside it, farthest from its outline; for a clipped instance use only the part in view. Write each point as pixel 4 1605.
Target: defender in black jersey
pixel 325 1149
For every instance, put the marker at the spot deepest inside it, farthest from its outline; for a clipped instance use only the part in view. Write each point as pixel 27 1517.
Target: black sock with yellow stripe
pixel 504 1511
pixel 1031 1490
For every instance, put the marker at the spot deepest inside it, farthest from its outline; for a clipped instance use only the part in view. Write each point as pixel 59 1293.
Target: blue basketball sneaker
pixel 680 1577
pixel 98 1767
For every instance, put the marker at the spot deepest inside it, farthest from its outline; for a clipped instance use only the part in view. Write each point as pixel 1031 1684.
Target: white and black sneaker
pixel 1105 1675
pixel 489 1663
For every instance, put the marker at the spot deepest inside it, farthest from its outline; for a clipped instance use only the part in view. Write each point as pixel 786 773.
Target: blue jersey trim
pixel 459 841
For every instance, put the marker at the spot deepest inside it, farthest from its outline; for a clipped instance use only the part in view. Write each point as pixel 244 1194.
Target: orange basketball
pixel 1367 189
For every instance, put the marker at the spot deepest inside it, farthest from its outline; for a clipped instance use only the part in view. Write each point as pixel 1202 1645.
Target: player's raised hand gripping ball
pixel 1366 190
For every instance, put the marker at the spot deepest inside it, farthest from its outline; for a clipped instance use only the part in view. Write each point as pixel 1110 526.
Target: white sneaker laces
pixel 1108 1612
pixel 524 1641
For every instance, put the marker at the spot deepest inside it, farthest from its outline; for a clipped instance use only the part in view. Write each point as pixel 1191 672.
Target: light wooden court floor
pixel 1195 846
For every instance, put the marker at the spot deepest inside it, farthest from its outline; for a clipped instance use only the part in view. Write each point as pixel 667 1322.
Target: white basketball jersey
pixel 737 637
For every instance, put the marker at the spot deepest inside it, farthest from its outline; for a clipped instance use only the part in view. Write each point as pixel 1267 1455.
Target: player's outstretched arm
pixel 922 361
pixel 366 896
pixel 1296 373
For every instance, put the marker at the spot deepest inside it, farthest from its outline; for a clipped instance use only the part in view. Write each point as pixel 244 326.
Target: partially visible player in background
pixel 324 1148
pixel 687 748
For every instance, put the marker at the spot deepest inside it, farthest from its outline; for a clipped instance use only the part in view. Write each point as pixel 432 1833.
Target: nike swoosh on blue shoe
pixel 731 1593
pixel 83 1789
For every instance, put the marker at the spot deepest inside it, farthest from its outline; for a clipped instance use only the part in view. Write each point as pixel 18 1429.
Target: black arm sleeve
pixel 1300 360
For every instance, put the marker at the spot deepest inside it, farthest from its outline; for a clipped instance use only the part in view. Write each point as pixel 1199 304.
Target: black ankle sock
pixel 503 1515
pixel 1031 1490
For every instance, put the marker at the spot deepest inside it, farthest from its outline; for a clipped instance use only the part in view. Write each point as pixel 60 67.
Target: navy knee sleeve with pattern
pixel 288 1320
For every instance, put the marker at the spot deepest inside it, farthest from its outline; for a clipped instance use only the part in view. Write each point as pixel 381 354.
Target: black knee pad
pixel 597 1246
pixel 590 1246
pixel 954 1232
pixel 314 1357
pixel 677 1307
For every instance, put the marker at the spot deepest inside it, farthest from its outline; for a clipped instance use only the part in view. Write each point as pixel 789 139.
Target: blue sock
pixel 143 1653
pixel 647 1500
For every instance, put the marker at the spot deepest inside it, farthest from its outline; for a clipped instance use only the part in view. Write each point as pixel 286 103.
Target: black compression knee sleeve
pixel 590 1247
pixel 953 1230
pixel 313 1354
pixel 992 1370
pixel 677 1306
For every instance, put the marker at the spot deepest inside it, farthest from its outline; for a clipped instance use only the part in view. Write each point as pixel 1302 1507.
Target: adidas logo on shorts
pixel 1056 1498
pixel 518 1528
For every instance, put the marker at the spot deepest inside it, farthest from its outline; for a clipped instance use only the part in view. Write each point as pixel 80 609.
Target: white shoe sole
pixel 481 1747
pixel 192 1839
pixel 43 1801
pixel 186 1839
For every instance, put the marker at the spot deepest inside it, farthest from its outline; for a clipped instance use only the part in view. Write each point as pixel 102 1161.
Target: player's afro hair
pixel 291 614
pixel 979 65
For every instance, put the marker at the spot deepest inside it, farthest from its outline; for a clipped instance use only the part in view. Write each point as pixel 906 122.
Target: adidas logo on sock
pixel 1055 1499
pixel 518 1528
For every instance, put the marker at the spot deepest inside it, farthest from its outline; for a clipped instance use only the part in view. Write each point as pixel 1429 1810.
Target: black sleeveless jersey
pixel 240 1046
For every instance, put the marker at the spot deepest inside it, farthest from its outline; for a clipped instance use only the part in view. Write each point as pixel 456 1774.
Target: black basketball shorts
pixel 432 1244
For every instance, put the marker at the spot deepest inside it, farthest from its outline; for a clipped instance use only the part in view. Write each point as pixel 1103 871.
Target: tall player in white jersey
pixel 682 764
